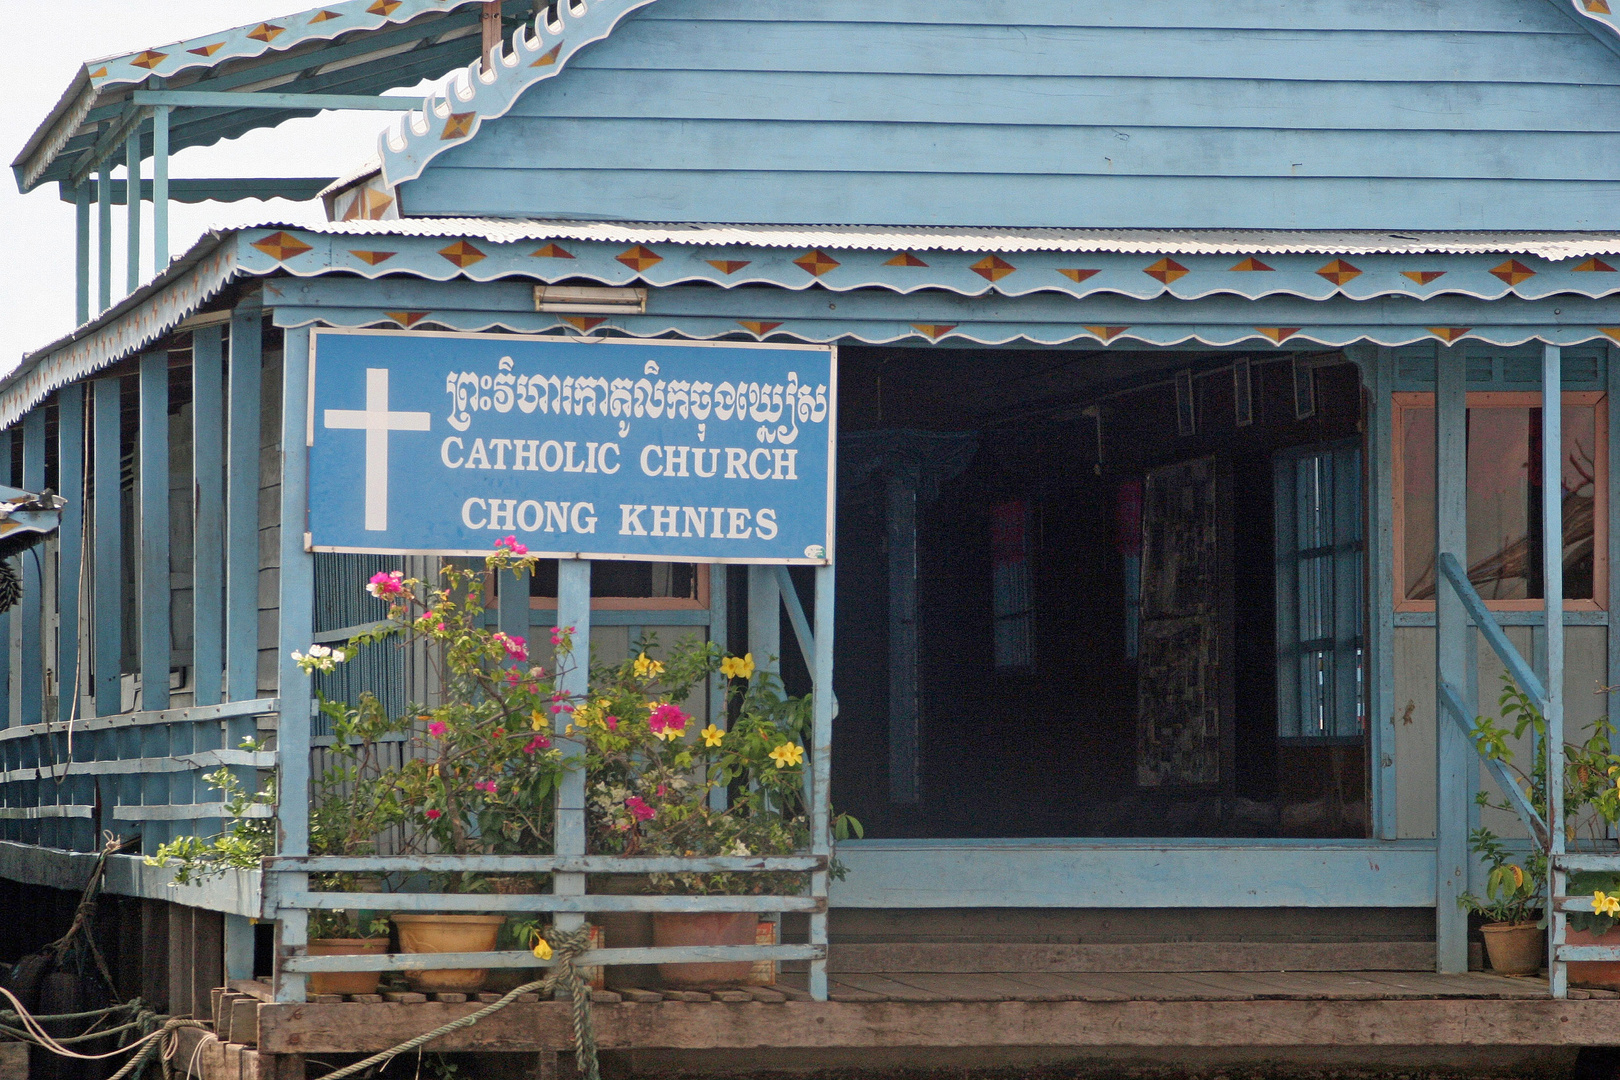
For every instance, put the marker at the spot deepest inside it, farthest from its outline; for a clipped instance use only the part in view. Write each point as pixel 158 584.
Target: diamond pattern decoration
pixel 1448 334
pixel 99 73
pixel 1107 333
pixel 1252 265
pixel 1423 277
pixel 933 331
pixel 1612 331
pixel 1513 271
pixel 148 59
pixel 372 258
pixel 207 50
pixel 1594 266
pixel 1167 271
pixel 1339 272
pixel 462 253
pixel 758 329
pixel 993 268
pixel 266 32
pixel 1077 275
pixel 384 7
pixel 550 56
pixel 905 258
pixel 640 258
pixel 407 319
pixel 458 126
pixel 1597 7
pixel 325 16
pixel 1278 334
pixel 727 266
pixel 816 263
pixel 584 323
pixel 282 246
pixel 551 251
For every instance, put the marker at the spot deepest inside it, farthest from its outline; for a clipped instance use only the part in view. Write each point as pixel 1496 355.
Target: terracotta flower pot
pixel 448 933
pixel 707 928
pixel 1515 948
pixel 1598 974
pixel 346 982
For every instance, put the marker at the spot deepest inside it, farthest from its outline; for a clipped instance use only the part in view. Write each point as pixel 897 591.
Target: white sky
pixel 54 38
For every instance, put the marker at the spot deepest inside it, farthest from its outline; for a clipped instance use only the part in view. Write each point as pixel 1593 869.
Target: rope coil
pixel 567 946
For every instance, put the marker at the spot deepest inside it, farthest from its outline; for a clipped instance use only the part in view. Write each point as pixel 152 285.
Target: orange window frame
pixel 1404 401
pixel 641 603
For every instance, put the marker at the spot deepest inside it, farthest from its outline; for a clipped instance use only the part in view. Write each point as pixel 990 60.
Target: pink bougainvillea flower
pixel 667 722
pixel 437 729
pixel 612 722
pixel 639 809
pixel 531 688
pixel 663 790
pixel 515 647
pixel 513 678
pixel 433 815
pixel 486 786
pixel 386 586
pixel 510 543
pixel 539 742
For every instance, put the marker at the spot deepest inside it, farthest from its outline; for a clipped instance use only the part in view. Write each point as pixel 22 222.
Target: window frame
pixel 643 603
pixel 1404 401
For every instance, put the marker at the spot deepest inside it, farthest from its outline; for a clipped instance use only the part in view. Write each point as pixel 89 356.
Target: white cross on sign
pixel 376 421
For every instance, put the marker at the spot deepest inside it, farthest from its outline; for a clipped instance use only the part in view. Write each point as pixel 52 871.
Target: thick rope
pixel 566 947
pixel 168 1033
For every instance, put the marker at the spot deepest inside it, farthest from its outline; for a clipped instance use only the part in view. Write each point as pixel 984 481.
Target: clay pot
pixel 706 928
pixel 346 982
pixel 1515 948
pixel 1596 974
pixel 448 933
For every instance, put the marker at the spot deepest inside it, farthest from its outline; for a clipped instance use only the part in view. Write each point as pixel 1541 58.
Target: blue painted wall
pixel 1379 114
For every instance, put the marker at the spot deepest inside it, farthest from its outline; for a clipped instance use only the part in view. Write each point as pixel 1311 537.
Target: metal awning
pixel 350 49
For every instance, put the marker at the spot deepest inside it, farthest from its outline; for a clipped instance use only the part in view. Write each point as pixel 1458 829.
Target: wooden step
pixel 969 958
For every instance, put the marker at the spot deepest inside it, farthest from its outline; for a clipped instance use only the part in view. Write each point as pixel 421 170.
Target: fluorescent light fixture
pixel 589 300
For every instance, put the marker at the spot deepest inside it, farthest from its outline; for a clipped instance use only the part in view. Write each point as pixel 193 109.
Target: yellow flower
pixel 542 947
pixel 1604 904
pixel 538 721
pixel 787 754
pixel 738 667
pixel 647 668
pixel 712 736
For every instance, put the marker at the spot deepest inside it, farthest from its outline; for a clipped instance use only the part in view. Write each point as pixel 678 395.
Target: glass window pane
pixel 1504 501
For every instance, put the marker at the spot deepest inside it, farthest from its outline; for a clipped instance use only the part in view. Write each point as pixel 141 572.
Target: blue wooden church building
pixel 1223 405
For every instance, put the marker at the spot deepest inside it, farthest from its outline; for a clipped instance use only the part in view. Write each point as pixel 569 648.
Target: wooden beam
pixel 1552 539
pixel 360 1028
pixel 208 512
pixel 242 506
pixel 152 578
pixel 104 238
pixel 489 24
pixel 107 582
pixel 70 559
pixel 81 253
pixel 1452 636
pixel 160 190
pixel 132 164
pixel 1153 956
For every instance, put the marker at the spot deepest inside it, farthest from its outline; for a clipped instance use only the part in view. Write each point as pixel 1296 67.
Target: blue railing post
pixel 1552 543
pixel 821 769
pixel 297 625
pixel 1453 754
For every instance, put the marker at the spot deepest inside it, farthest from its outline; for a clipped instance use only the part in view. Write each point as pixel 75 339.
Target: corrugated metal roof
pixel 1551 245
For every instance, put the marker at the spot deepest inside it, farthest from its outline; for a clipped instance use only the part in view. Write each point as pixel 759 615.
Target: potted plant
pixel 482 774
pixel 346 933
pixel 1591 803
pixel 651 776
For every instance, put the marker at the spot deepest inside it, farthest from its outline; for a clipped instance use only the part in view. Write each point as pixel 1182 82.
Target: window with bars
pixel 1321 628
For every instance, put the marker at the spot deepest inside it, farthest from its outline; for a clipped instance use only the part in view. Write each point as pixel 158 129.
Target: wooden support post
pixel 154 940
pixel 31 677
pixel 1552 553
pixel 1381 578
pixel 238 958
pixel 821 764
pixel 242 508
pixel 573 610
pixel 80 834
pixel 719 582
pixel 182 940
pixel 208 512
pixel 132 210
pixel 160 189
pixel 108 546
pixel 104 239
pixel 765 618
pixel 297 599
pixel 153 576
pixel 81 254
pixel 1453 754
pixel 489 21
pixel 207 960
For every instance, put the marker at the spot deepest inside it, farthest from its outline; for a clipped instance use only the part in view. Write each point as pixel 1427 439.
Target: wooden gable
pixel 1381 114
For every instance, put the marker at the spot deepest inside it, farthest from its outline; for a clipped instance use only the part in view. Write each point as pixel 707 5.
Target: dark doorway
pixel 1100 594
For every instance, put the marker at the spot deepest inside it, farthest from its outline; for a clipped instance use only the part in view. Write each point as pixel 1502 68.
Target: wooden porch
pixel 919 1016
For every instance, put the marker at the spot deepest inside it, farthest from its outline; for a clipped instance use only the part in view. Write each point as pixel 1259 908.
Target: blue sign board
pixel 439 443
